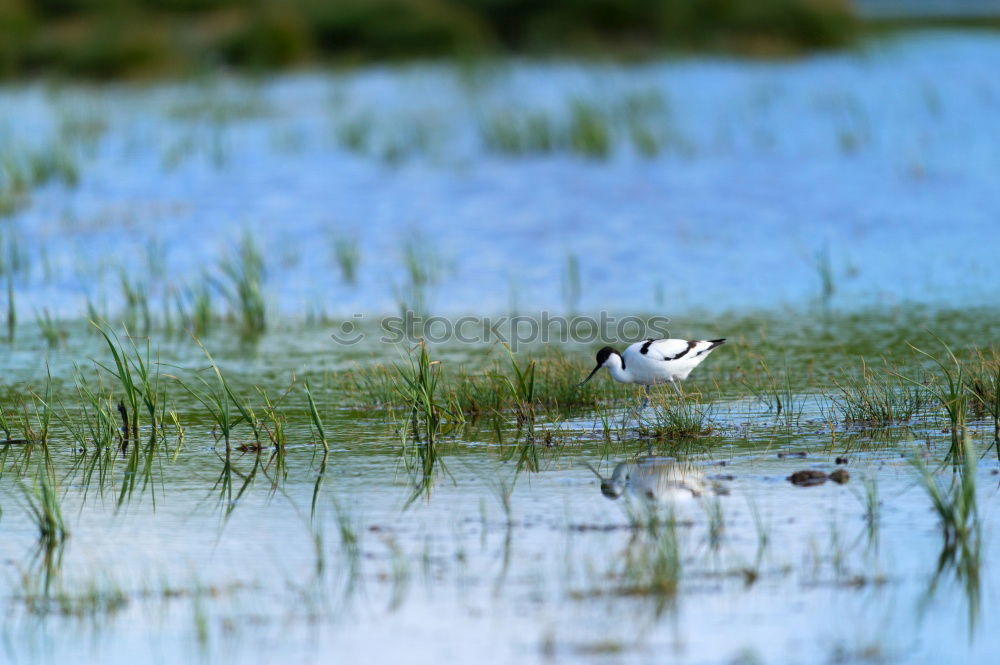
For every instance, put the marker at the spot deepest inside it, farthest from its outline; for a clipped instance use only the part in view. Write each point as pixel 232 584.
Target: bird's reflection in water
pixel 654 479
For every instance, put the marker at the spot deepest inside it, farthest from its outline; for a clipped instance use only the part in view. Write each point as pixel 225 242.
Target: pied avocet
pixel 655 361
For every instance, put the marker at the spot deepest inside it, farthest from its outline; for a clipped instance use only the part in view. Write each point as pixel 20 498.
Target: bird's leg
pixel 634 411
pixel 678 389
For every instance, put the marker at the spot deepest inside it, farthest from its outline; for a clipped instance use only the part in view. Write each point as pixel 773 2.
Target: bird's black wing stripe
pixel 682 353
pixel 645 347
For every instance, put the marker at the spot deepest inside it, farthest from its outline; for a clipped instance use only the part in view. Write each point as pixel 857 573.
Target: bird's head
pixel 612 487
pixel 602 359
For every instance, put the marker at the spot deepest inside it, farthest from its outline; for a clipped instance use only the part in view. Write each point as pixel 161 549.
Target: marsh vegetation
pixel 208 451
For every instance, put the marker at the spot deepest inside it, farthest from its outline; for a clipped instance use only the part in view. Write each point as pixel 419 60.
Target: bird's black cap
pixel 604 354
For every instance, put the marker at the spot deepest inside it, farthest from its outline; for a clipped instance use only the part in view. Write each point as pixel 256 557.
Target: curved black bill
pixel 590 376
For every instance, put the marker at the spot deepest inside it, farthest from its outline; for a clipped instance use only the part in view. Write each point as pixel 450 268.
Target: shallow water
pixel 885 152
pixel 885 157
pixel 451 577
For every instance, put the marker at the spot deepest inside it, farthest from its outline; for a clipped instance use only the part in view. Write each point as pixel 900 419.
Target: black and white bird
pixel 655 361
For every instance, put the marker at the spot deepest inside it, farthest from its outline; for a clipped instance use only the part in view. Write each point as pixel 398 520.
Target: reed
pixel 518 133
pixel 355 135
pixel 824 271
pixel 215 397
pixel 138 376
pixel 347 255
pixel 878 398
pixel 42 405
pixel 521 387
pixel 15 261
pixel 425 268
pixel 52 330
pixel 588 131
pixel 950 392
pixel 200 320
pixel 612 424
pixel 11 309
pixel 317 421
pixel 417 382
pixel 672 420
pixel 175 419
pixel 777 395
pixel 554 384
pixel 44 506
pixel 242 285
pixel 83 128
pixel 571 286
pixel 136 297
pixel 54 163
pixel 5 424
pixel 98 414
pixel 274 423
pixel 646 117
pixel 983 384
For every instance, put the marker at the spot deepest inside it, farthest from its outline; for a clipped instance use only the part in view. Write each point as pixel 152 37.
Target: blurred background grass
pixel 135 38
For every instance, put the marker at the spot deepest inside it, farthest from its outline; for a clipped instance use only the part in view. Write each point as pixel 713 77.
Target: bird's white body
pixel 652 362
pixel 655 361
